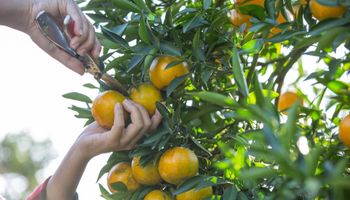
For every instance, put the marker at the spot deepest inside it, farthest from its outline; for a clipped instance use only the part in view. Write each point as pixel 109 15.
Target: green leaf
pixel 254 173
pixel 307 41
pixel 119 186
pixel 200 146
pixel 327 25
pixel 169 49
pixel 163 110
pixel 206 4
pixel 174 83
pixel 196 47
pixel 267 93
pixel 215 98
pixel 230 193
pixel 82 112
pixel 90 86
pixel 135 61
pixel 114 37
pixel 238 72
pixel 337 86
pixel 253 10
pixel 126 5
pixel 141 4
pixel 78 97
pixel 143 30
pixel 329 36
pixel 253 46
pixel 105 194
pixel 197 21
pixel 189 184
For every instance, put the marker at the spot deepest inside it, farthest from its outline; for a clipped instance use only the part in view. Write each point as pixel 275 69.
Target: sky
pixel 31 85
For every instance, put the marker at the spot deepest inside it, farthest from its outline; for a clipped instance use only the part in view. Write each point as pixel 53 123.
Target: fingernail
pixel 118 105
pixel 80 31
pixel 81 52
pixel 74 45
pixel 127 102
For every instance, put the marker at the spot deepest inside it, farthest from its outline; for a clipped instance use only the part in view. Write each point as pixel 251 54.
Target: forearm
pixel 14 13
pixel 65 180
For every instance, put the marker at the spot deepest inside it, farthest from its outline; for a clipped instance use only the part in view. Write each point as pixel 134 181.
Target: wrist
pixel 16 13
pixel 81 152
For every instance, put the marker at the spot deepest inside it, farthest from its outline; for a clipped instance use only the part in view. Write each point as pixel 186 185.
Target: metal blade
pixel 54 33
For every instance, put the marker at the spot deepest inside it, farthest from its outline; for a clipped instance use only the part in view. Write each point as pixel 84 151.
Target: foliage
pixel 22 158
pixel 226 109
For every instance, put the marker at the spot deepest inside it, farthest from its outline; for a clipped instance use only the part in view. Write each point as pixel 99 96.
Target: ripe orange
pixel 246 2
pixel 322 12
pixel 103 107
pixel 344 130
pixel 239 19
pixel 196 194
pixel 147 96
pixel 178 164
pixel 157 195
pixel 287 99
pixel 121 172
pixel 161 77
pixel 147 175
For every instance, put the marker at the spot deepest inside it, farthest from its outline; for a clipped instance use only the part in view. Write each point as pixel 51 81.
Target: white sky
pixel 31 86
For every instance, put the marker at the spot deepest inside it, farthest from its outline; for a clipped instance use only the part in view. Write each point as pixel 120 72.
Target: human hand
pixel 96 140
pixel 84 39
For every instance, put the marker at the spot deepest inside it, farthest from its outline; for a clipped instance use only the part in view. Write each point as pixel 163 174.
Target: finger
pixel 146 122
pixel 88 45
pixel 155 120
pixel 136 125
pixel 51 49
pixel 119 123
pixel 79 40
pixel 74 11
pixel 95 52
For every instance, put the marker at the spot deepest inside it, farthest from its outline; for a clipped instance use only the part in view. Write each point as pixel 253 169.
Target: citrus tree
pixel 233 126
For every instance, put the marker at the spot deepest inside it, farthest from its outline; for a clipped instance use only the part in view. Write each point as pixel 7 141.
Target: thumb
pixel 74 11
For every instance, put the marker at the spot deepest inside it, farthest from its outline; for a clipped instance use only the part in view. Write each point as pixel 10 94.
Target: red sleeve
pixel 40 192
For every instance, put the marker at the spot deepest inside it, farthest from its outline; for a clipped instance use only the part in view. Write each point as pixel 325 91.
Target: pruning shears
pixel 53 32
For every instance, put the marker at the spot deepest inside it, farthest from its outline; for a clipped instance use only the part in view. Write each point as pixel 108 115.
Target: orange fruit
pixel 146 175
pixel 161 77
pixel 196 194
pixel 147 96
pixel 322 12
pixel 239 19
pixel 246 2
pixel 103 107
pixel 344 130
pixel 287 99
pixel 157 195
pixel 121 172
pixel 178 164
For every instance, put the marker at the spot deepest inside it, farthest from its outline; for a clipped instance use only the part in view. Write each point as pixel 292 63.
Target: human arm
pixel 96 140
pixel 21 14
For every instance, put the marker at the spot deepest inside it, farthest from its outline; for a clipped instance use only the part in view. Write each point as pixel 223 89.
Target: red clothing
pixel 40 192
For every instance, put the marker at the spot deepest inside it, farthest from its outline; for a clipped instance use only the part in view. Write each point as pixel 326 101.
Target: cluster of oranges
pixel 147 94
pixel 174 166
pixel 319 11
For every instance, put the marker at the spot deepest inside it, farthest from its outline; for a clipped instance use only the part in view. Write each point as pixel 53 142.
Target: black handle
pixel 54 33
